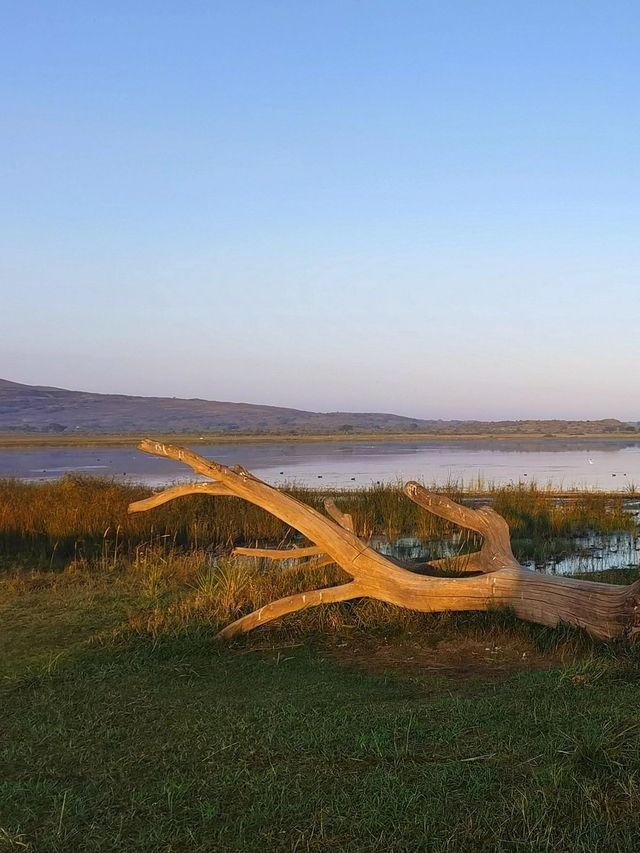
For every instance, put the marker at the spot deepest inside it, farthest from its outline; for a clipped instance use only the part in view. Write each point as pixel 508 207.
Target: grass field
pixel 126 726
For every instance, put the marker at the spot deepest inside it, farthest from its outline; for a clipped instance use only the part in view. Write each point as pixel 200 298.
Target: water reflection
pixel 592 463
pixel 579 555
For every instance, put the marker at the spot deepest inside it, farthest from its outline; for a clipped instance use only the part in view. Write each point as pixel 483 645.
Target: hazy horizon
pixel 419 208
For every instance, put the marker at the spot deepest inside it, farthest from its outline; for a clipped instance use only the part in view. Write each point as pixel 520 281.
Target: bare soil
pixel 455 658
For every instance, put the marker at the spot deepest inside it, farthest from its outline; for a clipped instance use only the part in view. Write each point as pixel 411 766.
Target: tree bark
pixel 604 610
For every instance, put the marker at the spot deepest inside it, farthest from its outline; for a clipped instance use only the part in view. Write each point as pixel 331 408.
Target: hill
pixel 41 409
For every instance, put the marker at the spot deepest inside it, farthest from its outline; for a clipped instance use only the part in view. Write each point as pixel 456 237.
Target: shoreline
pixel 18 441
pixel 462 491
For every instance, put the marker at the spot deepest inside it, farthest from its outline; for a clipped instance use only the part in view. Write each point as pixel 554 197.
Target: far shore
pixel 27 440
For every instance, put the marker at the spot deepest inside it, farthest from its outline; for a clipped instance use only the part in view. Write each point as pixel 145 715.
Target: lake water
pixel 584 554
pixel 591 464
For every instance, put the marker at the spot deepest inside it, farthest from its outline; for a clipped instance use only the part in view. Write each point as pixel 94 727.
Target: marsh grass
pixel 87 518
pixel 532 512
pixel 82 518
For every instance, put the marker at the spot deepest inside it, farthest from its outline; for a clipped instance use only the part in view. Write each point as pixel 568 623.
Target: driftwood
pixel 604 610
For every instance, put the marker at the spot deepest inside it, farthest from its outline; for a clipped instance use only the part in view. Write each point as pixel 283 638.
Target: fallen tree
pixel 495 577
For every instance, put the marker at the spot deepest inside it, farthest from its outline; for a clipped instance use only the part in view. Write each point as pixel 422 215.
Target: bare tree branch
pixel 495 552
pixel 179 492
pixel 290 604
pixel 344 519
pixel 604 610
pixel 285 554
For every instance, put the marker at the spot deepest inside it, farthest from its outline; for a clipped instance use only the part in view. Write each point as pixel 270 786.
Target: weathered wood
pixel 603 610
pixel 343 518
pixel 495 552
pixel 474 562
pixel 284 554
pixel 179 492
pixel 291 604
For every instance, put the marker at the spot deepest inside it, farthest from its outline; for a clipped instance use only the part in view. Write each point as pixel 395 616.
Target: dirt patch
pixel 458 658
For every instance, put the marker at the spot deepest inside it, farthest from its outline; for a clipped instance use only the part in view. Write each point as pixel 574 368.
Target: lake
pixel 583 463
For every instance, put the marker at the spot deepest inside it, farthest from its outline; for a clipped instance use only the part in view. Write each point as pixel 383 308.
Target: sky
pixel 427 208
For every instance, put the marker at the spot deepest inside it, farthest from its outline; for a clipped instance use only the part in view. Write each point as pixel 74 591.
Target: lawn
pixel 433 733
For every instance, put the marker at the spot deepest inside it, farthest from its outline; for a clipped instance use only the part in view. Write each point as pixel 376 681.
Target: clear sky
pixel 430 208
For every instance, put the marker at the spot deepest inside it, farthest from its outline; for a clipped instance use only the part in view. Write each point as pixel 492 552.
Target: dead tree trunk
pixel 604 610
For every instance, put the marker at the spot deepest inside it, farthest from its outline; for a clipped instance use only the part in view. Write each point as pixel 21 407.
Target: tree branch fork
pixel 603 610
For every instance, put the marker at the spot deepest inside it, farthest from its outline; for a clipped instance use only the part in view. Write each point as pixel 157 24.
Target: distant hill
pixel 40 409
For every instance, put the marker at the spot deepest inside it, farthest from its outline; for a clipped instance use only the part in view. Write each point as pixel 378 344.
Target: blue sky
pixel 430 208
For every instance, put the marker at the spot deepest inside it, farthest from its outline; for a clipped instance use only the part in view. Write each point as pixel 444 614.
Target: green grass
pixel 178 743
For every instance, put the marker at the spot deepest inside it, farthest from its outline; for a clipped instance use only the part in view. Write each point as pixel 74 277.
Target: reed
pixel 531 511
pixel 49 524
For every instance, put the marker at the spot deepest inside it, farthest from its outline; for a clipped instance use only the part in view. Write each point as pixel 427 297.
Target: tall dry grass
pixel 82 518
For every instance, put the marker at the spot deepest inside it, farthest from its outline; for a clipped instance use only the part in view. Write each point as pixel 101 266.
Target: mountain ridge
pixel 42 408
